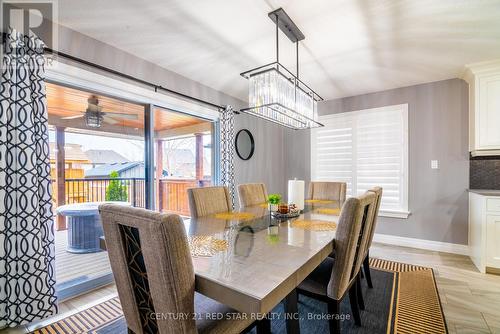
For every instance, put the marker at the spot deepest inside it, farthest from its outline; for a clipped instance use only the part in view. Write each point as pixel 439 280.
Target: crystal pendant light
pixel 275 93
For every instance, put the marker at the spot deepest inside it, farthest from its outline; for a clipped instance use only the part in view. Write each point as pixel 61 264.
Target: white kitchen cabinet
pixel 493 240
pixel 484 107
pixel 484 230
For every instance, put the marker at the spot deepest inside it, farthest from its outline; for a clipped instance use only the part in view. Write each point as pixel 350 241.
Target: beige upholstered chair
pixel 252 194
pixel 153 270
pixel 330 191
pixel 330 281
pixel 208 200
pixel 371 232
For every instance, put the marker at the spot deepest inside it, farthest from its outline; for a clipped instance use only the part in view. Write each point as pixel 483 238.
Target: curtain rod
pixel 129 77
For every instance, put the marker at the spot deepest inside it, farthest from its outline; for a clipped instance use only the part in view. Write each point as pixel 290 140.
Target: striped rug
pixel 86 321
pixel 414 307
pixel 417 308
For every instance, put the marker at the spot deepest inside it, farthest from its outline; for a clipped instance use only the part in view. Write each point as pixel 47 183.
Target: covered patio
pixel 67 108
pixel 81 173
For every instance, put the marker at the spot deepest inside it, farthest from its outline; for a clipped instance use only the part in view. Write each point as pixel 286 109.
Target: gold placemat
pixel 235 215
pixel 319 201
pixel 314 225
pixel 206 245
pixel 328 211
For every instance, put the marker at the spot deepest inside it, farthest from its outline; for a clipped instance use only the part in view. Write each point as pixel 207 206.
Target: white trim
pixel 437 246
pixel 483 153
pixel 33 326
pixel 394 214
pixel 482 67
pixel 79 78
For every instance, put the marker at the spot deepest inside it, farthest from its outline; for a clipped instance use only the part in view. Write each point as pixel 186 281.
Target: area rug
pixel 404 300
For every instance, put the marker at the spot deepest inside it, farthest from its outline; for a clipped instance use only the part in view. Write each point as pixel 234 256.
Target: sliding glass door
pixel 105 149
pixel 183 158
pixel 96 155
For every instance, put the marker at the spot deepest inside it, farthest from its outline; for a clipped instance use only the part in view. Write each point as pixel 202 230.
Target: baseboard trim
pixel 422 244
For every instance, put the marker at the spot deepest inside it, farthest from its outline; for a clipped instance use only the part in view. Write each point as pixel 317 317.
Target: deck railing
pixel 172 193
pixel 94 190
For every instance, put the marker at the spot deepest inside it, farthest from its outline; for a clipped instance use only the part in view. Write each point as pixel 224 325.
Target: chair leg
pixel 264 326
pixel 334 321
pixel 366 267
pixel 353 300
pixel 359 293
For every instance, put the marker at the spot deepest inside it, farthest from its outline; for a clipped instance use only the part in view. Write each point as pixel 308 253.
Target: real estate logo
pixel 29 18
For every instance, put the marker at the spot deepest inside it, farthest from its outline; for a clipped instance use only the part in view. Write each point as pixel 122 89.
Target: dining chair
pixel 363 241
pixel 252 194
pixel 154 275
pixel 330 191
pixel 366 260
pixel 208 200
pixel 333 278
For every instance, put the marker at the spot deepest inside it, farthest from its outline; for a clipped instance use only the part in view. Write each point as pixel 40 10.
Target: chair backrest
pixel 152 266
pixel 330 191
pixel 252 194
pixel 347 238
pixel 208 200
pixel 378 191
pixel 364 233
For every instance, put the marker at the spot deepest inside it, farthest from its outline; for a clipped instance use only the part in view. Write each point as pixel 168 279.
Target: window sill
pixel 394 214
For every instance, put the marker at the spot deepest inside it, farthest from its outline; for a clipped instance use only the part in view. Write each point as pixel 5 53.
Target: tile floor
pixel 471 300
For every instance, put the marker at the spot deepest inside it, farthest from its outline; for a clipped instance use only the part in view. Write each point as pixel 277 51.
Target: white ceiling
pixel 351 47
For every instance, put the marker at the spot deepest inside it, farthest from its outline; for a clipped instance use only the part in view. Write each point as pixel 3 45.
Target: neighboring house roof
pixel 100 157
pixel 72 152
pixel 105 170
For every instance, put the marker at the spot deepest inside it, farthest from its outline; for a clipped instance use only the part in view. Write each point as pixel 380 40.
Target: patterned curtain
pixel 227 150
pixel 27 278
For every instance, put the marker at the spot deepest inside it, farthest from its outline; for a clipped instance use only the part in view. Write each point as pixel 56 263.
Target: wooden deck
pixel 78 267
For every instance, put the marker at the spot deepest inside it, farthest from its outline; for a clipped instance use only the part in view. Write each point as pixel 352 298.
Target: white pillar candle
pixel 296 193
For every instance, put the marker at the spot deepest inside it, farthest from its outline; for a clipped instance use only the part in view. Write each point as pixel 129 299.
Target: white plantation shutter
pixel 365 148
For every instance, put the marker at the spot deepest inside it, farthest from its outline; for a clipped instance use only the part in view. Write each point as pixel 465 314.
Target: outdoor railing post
pixel 133 192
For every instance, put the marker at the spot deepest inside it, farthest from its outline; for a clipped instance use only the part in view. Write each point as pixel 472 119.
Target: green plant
pixel 273 239
pixel 116 190
pixel 274 198
pixel 273 235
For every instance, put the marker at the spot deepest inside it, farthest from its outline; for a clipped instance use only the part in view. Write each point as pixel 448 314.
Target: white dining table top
pixel 265 259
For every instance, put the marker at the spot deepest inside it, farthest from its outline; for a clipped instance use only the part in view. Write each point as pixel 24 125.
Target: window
pixel 365 148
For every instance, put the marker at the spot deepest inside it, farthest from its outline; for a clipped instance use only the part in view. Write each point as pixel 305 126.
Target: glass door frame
pixel 67 290
pixel 150 152
pixel 149 159
pixel 149 164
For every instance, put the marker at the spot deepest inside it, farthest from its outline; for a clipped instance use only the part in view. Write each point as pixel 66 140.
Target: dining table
pixel 251 261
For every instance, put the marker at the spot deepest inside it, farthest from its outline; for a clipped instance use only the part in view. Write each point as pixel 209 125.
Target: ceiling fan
pixel 94 116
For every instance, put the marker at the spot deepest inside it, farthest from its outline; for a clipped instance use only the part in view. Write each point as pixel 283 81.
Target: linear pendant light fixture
pixel 275 93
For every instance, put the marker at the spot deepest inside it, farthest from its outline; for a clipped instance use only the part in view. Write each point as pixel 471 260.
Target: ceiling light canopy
pixel 275 93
